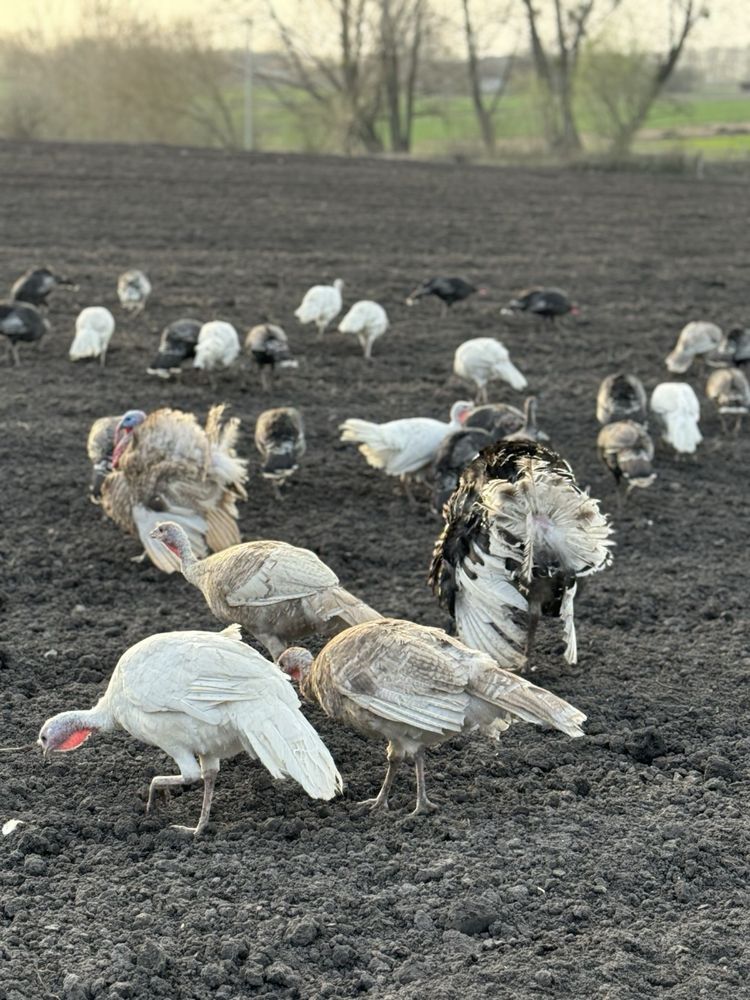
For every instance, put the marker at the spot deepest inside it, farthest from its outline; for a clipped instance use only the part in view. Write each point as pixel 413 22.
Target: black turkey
pixel 177 344
pixel 35 285
pixel 21 323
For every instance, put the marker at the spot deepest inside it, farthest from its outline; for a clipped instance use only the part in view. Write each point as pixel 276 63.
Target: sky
pixel 728 25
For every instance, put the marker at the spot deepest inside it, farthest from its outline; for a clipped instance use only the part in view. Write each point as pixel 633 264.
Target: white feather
pixel 321 304
pixel 485 359
pixel 218 346
pixel 94 328
pixel 677 409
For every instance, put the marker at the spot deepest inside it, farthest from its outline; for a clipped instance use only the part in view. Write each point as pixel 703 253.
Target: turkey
pixel 729 390
pixel 484 360
pixel 529 430
pixel 518 534
pixel 218 346
pixel 549 303
pixel 677 411
pixel 456 450
pixel 405 447
pixel 21 323
pixel 621 397
pixel 697 338
pixel 269 347
pixel 202 697
pixel 281 594
pixel 177 344
pixel 627 450
pixel 417 687
pixel 166 465
pixel 36 285
pixel 498 419
pixel 133 290
pixel 368 321
pixel 448 290
pixel 733 349
pixel 100 446
pixel 94 328
pixel 321 305
pixel 280 439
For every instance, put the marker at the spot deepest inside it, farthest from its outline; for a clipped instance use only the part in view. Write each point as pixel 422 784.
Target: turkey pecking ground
pixel 613 866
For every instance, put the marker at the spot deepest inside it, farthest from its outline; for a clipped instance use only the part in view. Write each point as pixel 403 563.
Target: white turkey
pixel 368 321
pixel 269 346
pixel 280 439
pixel 320 305
pixel 519 532
pixel 218 346
pixel 483 360
pixel 696 338
pixel 729 390
pixel 133 290
pixel 416 687
pixel 677 411
pixel 404 448
pixel 94 328
pixel 627 450
pixel 167 465
pixel 278 592
pixel 621 397
pixel 202 697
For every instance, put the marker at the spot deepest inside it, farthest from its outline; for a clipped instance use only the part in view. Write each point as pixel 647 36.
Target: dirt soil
pixel 613 866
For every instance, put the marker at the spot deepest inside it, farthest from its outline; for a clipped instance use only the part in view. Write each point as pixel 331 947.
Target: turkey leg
pixel 423 803
pixel 162 782
pixel 381 801
pixel 209 783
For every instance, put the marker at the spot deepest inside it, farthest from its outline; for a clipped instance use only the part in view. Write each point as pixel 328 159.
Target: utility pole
pixel 248 86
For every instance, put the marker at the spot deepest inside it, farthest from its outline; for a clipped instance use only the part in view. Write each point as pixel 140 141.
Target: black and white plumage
pixel 729 390
pixel 733 349
pixel 94 328
pixel 36 285
pixel 627 450
pixel 621 397
pixel 21 323
pixel 368 321
pixel 177 344
pixel 549 303
pixel 518 534
pixel 695 339
pixel 456 451
pixel 677 412
pixel 498 419
pixel 269 346
pixel 448 290
pixel 280 439
pixel 483 360
pixel 133 290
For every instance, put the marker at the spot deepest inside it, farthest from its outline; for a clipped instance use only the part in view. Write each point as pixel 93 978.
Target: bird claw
pixel 192 830
pixel 375 805
pixel 425 806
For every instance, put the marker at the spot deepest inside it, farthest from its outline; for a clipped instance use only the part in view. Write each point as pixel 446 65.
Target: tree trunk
pixel 484 118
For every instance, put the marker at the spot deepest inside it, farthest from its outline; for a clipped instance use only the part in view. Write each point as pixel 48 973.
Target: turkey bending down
pixel 733 349
pixel 167 465
pixel 729 390
pixel 94 328
pixel 677 411
pixel 201 697
pixel 21 323
pixel 320 305
pixel 280 439
pixel 697 338
pixel 627 450
pixel 416 687
pixel 218 346
pixel 177 344
pixel 269 347
pixel 368 321
pixel 36 285
pixel 448 290
pixel 133 290
pixel 518 534
pixel 404 448
pixel 549 303
pixel 484 360
pixel 281 594
pixel 621 397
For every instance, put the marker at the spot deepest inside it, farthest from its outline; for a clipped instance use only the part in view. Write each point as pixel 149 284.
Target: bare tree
pixel 402 24
pixel 483 109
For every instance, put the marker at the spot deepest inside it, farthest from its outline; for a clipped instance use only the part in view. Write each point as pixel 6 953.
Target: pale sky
pixel 728 25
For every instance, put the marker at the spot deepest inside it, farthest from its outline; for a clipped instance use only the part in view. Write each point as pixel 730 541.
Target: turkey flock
pixel 519 537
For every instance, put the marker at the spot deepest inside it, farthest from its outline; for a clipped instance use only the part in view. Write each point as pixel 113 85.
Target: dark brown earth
pixel 615 866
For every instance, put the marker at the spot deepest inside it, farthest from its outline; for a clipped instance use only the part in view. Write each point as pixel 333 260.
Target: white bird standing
pixel 677 410
pixel 696 338
pixel 417 687
pixel 368 321
pixel 94 328
pixel 483 360
pixel 729 390
pixel 403 447
pixel 133 290
pixel 218 346
pixel 321 305
pixel 202 697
